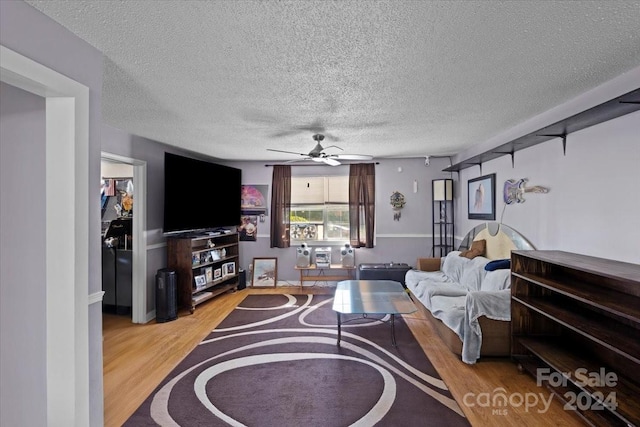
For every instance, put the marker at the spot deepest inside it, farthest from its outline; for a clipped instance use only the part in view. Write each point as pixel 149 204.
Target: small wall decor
pixel 254 199
pixel 248 228
pixel 481 197
pixel 398 202
pixel 265 272
pixel 513 191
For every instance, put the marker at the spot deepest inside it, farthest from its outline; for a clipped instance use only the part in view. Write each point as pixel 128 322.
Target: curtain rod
pixel 313 164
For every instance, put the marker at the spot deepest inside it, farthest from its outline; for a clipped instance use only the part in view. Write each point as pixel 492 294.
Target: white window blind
pixel 320 208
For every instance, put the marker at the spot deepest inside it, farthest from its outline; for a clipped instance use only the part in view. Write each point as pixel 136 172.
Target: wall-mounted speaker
pixel 303 256
pixel 347 256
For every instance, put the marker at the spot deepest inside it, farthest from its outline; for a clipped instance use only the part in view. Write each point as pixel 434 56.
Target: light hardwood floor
pixel 138 357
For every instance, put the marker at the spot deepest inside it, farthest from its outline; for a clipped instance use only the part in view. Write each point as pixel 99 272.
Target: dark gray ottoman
pixel 390 271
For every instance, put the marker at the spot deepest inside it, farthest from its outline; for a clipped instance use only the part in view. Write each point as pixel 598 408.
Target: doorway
pixel 138 242
pixel 68 362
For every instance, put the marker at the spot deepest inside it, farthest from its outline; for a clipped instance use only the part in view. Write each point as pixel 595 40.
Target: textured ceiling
pixel 386 78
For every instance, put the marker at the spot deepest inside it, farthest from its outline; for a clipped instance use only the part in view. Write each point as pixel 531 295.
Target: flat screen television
pixel 199 195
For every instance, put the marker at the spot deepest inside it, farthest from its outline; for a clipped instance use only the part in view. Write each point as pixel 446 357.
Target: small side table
pixel 326 274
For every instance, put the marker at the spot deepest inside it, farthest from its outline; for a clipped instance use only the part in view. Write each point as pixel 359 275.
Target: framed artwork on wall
pixel 254 199
pixel 481 197
pixel 248 228
pixel 265 272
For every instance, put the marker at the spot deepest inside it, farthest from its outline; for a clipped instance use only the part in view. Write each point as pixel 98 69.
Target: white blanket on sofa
pixel 460 311
pixel 494 305
pixel 462 293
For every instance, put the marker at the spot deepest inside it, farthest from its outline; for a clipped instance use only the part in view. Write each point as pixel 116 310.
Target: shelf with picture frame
pixel 199 261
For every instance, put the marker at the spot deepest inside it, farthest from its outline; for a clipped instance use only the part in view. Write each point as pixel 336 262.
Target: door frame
pixel 139 249
pixel 67 271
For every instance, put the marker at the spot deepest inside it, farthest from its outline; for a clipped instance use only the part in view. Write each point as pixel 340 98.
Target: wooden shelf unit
pixel 442 215
pixel 319 274
pixel 579 317
pixel 616 107
pixel 184 251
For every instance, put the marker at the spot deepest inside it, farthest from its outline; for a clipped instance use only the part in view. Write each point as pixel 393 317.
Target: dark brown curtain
pixel 362 204
pixel 280 206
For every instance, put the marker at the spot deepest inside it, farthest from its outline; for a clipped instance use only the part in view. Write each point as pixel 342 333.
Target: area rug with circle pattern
pixel 274 361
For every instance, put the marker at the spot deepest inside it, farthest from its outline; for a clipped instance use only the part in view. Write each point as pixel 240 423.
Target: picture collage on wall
pixel 254 209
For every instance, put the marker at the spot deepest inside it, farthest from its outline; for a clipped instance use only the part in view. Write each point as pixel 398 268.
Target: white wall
pixel 593 205
pixel 23 397
pixel 396 241
pixel 34 35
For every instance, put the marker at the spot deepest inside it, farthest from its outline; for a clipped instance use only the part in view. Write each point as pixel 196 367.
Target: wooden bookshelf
pixel 192 256
pixel 575 323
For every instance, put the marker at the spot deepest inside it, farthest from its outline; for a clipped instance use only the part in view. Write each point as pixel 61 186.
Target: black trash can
pixel 166 295
pixel 242 279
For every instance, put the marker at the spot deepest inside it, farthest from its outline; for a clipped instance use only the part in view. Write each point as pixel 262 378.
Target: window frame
pixel 326 206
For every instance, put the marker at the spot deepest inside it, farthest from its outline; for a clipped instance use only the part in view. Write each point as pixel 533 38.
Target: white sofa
pixel 473 304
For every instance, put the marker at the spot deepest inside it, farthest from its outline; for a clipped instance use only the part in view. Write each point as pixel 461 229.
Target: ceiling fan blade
pixel 353 157
pixel 283 151
pixel 297 160
pixel 330 161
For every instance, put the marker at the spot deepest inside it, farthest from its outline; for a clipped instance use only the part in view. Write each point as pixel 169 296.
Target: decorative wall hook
pixel 398 202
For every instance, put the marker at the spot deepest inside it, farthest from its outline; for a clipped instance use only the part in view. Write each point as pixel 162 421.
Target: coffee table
pixel 368 297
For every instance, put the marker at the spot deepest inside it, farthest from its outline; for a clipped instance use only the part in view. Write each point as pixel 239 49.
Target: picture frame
pixel 195 259
pixel 217 273
pixel 208 274
pixel 200 281
pixel 265 272
pixel 228 269
pixel 248 228
pixel 205 257
pixel 254 199
pixel 481 197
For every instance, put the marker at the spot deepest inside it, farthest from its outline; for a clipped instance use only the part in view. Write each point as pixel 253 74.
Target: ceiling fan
pixel 318 153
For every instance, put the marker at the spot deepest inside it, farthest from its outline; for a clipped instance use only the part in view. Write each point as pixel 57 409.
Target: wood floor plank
pixel 136 358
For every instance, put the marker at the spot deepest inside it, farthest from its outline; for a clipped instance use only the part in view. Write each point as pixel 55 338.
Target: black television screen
pixel 199 195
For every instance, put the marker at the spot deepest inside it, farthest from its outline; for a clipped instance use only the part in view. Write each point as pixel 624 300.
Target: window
pixel 319 209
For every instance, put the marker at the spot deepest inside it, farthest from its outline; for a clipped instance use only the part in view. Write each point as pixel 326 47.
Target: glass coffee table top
pixel 372 297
